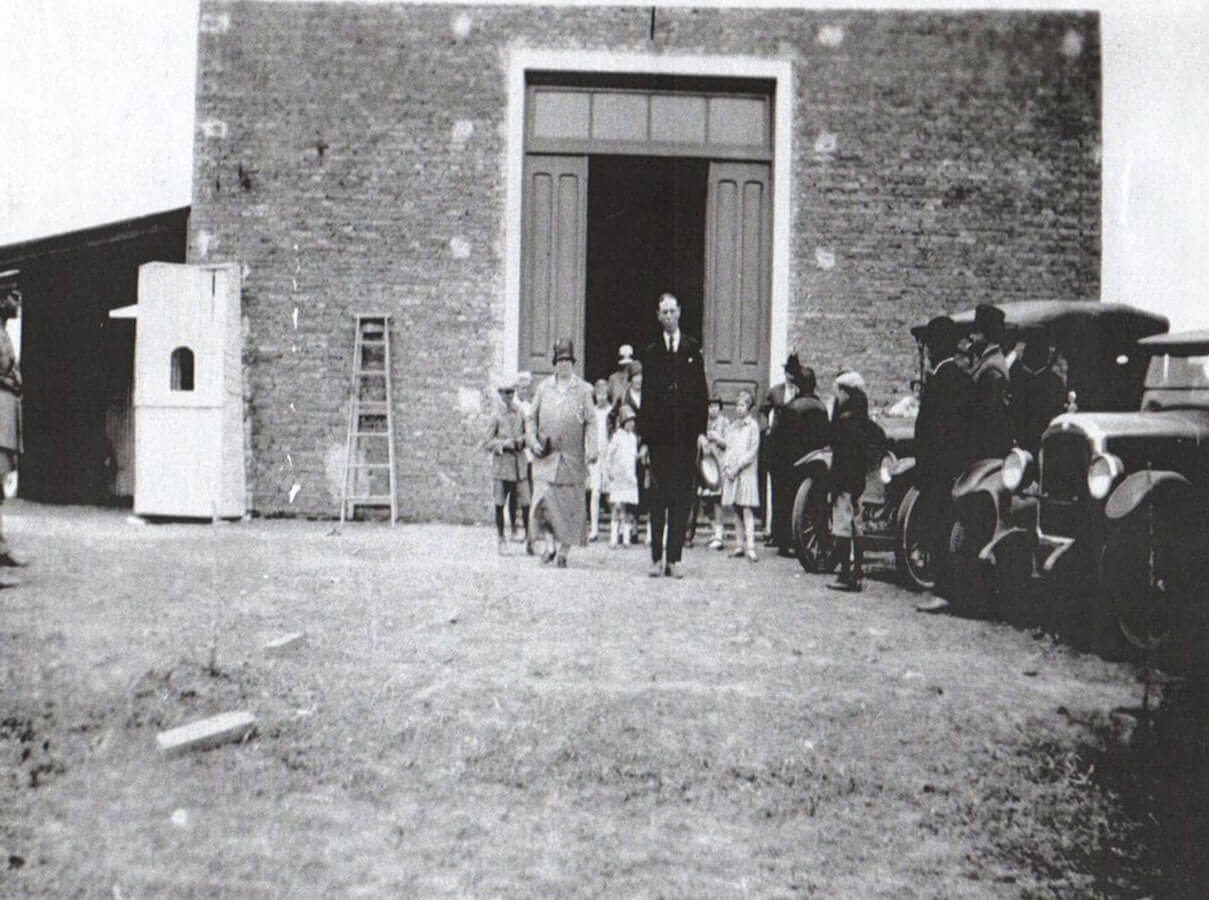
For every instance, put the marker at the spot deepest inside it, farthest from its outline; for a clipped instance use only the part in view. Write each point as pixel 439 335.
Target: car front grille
pixel 1065 457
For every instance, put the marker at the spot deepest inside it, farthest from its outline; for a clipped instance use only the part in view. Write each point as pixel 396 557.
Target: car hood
pixel 1172 423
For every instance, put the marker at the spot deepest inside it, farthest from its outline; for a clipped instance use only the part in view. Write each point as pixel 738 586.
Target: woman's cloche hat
pixel 564 349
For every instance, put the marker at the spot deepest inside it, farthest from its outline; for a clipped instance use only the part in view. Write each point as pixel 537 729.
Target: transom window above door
pixel 589 119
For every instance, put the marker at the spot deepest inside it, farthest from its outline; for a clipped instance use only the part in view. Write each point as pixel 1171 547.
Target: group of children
pixel 730 448
pixel 728 473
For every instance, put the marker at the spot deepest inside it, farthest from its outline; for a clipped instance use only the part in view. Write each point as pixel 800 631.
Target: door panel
pixel 737 270
pixel 553 258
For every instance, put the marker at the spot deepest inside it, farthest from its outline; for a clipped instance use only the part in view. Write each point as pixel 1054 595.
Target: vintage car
pixel 886 523
pixel 1121 539
pixel 1103 371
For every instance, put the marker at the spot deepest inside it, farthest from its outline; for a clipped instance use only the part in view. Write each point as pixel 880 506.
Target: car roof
pixel 1181 342
pixel 1124 321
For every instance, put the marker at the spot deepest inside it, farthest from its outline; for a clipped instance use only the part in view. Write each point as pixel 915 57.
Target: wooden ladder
pixel 369 451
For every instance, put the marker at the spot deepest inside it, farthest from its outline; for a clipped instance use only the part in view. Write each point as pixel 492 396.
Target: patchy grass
pixel 458 724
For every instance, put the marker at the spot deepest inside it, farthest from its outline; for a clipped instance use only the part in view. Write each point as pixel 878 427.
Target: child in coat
pixel 740 488
pixel 713 445
pixel 505 441
pixel 596 471
pixel 621 472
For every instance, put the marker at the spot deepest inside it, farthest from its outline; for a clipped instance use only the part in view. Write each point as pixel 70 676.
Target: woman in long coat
pixel 562 434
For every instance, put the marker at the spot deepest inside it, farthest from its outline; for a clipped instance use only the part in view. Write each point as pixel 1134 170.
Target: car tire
pixel 971 586
pixel 913 559
pixel 812 527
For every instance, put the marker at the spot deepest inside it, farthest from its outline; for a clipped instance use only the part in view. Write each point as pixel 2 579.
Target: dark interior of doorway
pixel 646 235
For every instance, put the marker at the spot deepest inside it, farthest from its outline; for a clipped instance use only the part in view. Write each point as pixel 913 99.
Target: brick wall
pixel 940 160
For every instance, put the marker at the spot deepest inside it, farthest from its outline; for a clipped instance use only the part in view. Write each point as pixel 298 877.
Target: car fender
pixel 983 475
pixel 820 458
pixel 902 467
pixel 1003 544
pixel 1139 486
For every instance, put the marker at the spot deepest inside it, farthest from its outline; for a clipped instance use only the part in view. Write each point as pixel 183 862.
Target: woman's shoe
pixel 715 544
pixel 561 561
pixel 547 557
pixel 751 554
pixel 738 553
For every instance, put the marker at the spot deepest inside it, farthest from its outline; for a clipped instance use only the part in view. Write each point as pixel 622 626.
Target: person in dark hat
pixel 943 449
pixel 990 422
pixel 672 415
pixel 1037 390
pixel 561 430
pixel 805 427
pixel 619 380
pixel 11 441
pixel 777 455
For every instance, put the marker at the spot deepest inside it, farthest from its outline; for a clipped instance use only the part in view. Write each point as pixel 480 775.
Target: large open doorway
pixel 77 362
pixel 634 184
pixel 645 235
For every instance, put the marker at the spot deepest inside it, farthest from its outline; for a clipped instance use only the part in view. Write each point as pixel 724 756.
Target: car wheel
pixel 1149 585
pixel 914 555
pixel 971 588
pixel 812 526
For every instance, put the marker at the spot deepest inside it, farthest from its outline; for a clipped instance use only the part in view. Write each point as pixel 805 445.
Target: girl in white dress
pixel 740 488
pixel 597 483
pixel 621 471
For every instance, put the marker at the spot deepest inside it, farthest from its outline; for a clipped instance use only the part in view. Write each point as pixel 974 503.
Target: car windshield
pixel 1174 373
pixel 1177 382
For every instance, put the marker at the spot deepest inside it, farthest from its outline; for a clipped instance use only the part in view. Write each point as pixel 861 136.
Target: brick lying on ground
pixel 286 642
pixel 206 733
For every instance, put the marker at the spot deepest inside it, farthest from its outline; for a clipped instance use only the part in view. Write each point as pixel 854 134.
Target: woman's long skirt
pixel 562 509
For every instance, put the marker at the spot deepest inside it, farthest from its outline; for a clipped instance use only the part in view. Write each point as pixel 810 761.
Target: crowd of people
pixel 651 438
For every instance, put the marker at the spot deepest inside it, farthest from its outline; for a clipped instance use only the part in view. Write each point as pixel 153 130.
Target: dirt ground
pixel 460 724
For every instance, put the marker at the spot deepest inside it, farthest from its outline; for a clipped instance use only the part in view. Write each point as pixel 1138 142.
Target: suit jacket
pixel 943 447
pixel 675 399
pixel 1037 396
pixel 505 441
pixel 805 426
pixel 992 424
pixel 773 410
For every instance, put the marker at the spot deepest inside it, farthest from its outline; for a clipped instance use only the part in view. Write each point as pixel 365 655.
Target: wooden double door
pixel 731 317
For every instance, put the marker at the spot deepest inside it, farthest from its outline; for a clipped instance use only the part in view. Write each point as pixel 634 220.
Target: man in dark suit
pixel 802 425
pixel 1038 392
pixel 772 452
pixel 943 448
pixel 675 401
pixel 991 421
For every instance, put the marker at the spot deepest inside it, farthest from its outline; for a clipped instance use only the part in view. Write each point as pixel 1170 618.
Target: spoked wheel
pixel 1147 589
pixel 812 526
pixel 914 555
pixel 690 527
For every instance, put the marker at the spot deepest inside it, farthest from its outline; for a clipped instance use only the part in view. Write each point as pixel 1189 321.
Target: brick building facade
pixel 367 157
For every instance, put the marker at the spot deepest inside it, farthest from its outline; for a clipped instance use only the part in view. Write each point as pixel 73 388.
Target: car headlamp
pixel 1102 474
pixel 1017 468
